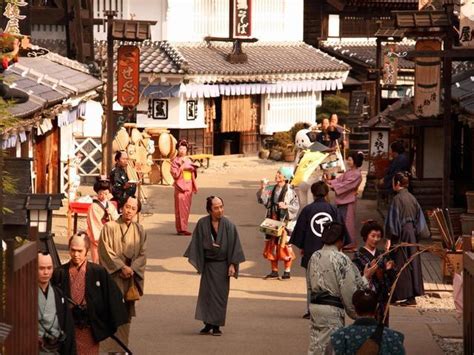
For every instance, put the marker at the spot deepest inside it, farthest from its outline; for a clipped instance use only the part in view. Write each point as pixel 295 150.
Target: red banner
pixel 242 18
pixel 128 76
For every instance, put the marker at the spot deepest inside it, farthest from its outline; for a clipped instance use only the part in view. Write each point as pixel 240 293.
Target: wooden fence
pixel 22 301
pixel 468 296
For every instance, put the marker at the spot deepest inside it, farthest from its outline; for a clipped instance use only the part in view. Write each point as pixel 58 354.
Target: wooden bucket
pixel 167 179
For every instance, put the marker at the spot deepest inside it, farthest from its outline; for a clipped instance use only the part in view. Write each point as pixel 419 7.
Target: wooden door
pixel 250 140
pixel 46 161
pixel 209 117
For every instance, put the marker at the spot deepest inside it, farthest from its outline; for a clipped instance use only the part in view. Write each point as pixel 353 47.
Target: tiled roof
pixel 263 58
pixel 462 91
pixel 155 57
pixel 48 80
pixel 62 74
pixel 209 59
pixel 364 52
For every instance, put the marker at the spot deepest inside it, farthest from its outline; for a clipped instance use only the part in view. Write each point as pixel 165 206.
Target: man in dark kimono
pixel 97 304
pixel 215 251
pixel 55 324
pixel 122 188
pixel 310 226
pixel 400 162
pixel 405 223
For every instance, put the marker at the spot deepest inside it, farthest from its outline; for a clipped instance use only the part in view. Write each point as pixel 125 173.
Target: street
pixel 264 316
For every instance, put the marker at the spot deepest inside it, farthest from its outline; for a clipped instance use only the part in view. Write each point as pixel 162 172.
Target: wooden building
pixel 346 29
pixel 192 90
pixel 52 120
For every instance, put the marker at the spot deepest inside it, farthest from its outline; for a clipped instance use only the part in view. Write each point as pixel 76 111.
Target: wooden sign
pixel 15 20
pixel 128 76
pixel 390 65
pixel 427 80
pixel 242 18
pixel 466 37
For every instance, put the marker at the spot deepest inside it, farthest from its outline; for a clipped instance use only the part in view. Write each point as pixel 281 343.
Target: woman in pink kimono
pixel 345 186
pixel 184 174
pixel 100 212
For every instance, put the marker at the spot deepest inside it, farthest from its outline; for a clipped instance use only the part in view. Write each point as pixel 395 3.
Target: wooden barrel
pixel 165 144
pixel 166 172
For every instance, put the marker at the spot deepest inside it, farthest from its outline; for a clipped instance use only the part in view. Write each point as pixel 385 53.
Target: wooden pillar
pixel 111 124
pixel 447 78
pixel 378 68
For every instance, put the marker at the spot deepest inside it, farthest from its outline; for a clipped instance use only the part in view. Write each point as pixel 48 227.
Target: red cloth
pixel 85 343
pixel 182 208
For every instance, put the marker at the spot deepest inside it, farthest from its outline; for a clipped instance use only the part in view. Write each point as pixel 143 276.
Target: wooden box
pixel 452 263
pixel 271 227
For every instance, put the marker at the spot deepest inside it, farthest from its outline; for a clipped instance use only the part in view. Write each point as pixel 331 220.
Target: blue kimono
pixel 347 340
pixel 398 164
pixel 405 223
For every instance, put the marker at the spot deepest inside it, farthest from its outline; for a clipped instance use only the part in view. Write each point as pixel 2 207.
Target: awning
pixel 204 90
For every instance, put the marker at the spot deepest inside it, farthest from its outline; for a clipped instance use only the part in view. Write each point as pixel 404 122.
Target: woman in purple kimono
pixel 345 186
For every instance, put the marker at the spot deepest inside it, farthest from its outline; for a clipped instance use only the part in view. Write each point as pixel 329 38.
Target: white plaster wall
pixel 176 115
pixel 281 111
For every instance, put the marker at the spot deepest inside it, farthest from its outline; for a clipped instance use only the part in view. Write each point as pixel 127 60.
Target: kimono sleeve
pixel 107 255
pixel 139 263
pixel 291 199
pixel 237 255
pixel 299 232
pixel 422 230
pixel 349 282
pixel 392 223
pixel 94 221
pixel 346 182
pixel 176 169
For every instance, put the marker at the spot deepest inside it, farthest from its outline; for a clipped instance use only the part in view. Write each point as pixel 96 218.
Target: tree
pixel 333 104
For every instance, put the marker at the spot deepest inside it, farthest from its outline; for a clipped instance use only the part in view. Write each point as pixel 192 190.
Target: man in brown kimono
pixel 122 253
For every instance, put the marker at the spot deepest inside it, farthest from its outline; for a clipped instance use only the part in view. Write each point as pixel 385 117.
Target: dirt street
pixel 264 316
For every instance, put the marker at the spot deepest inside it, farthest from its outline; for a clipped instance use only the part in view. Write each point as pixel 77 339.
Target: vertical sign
pixel 427 80
pixel 242 18
pixel 466 37
pixel 128 75
pixel 390 65
pixel 13 15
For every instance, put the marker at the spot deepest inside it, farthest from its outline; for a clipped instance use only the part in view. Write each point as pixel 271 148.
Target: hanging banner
pixel 390 65
pixel 466 37
pixel 128 76
pixel 427 80
pixel 242 18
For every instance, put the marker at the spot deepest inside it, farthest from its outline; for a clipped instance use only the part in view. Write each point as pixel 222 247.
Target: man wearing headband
pixel 333 279
pixel 282 204
pixel 215 251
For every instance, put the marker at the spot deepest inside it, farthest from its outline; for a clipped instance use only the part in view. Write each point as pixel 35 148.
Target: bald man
pixel 55 323
pixel 97 304
pixel 122 248
pixel 215 251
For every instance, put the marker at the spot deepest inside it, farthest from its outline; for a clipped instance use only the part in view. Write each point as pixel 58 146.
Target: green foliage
pixel 333 104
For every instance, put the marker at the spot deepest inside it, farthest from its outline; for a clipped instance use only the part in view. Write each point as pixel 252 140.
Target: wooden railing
pixel 468 296
pixel 22 301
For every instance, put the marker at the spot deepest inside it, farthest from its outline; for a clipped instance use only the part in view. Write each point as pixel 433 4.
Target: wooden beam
pixel 47 16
